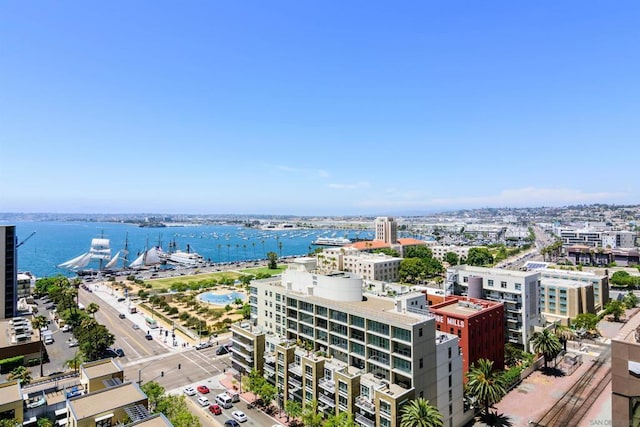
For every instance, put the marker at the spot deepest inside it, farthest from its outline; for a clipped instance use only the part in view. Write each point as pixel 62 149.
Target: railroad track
pixel 575 402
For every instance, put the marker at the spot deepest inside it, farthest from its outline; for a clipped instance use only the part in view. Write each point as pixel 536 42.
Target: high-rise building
pixel 386 230
pixel 8 271
pixel 322 336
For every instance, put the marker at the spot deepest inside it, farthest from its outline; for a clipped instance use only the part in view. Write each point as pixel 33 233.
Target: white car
pixel 66 328
pixel 190 391
pixel 239 416
pixel 203 401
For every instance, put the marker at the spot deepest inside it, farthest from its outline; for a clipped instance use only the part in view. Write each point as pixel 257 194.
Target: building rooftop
pixel 495 271
pixel 630 331
pixel 100 368
pixel 155 420
pixel 105 400
pixel 10 392
pixel 564 283
pixel 464 307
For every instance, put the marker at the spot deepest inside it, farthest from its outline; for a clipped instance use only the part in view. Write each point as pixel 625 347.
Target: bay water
pixel 55 242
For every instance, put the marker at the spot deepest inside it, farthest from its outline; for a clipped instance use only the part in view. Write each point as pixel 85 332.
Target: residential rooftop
pixel 105 400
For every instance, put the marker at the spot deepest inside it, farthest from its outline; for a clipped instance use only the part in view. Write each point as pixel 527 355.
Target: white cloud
pixel 519 197
pixel 315 172
pixel 354 186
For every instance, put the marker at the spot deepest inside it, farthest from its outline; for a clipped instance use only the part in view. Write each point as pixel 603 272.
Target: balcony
pixel 512 320
pixel 246 345
pixel 269 370
pixel 329 401
pixel 269 357
pixel 294 382
pixel 365 404
pixel 363 421
pixel 328 385
pixel 295 368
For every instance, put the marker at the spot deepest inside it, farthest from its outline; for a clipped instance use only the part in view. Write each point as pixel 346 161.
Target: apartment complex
pixel 479 326
pixel 321 336
pixel 518 290
pixel 597 237
pixel 440 251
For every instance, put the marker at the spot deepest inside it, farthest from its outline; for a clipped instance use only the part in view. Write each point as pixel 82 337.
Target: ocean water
pixel 57 242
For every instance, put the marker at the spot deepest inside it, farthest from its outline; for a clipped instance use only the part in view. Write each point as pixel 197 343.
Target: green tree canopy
pixel 273 260
pixel 387 251
pixel 176 410
pixel 452 258
pixel 586 321
pixel 616 309
pixel 154 392
pixel 479 257
pixel 20 373
pixel 630 300
pixel 420 251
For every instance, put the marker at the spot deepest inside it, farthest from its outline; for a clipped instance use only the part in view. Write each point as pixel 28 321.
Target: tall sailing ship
pixel 97 259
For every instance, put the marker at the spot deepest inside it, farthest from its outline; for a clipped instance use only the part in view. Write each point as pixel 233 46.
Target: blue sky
pixel 317 107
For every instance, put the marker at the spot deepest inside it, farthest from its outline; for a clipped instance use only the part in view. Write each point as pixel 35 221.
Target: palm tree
pixel 21 374
pixel 92 309
pixel 75 362
pixel 547 343
pixel 244 249
pixel 38 323
pixel 564 334
pixel 484 384
pixel 418 413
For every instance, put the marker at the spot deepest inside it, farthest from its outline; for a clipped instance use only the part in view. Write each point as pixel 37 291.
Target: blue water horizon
pixel 55 242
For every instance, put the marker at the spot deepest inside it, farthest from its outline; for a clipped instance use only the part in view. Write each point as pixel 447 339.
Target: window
pixel 421 363
pixel 419 332
pixel 503 284
pixel 518 286
pixel 448 351
pixel 490 282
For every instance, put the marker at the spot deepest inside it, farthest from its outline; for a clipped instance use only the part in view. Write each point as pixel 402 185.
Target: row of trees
pixel 173 407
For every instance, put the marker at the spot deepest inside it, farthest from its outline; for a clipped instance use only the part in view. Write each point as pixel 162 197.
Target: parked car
pixel 121 299
pixel 122 316
pixel 190 391
pixel 239 416
pixel 215 409
pixel 148 337
pixel 231 423
pixel 73 343
pixel 66 328
pixel 135 326
pixel 203 389
pixel 203 401
pixel 119 352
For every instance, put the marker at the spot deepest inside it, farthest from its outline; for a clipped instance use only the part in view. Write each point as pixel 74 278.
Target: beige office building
pixel 562 300
pixel 600 282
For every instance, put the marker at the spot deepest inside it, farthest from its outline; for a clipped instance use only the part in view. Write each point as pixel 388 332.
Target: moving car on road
pixel 231 423
pixel 203 389
pixel 239 416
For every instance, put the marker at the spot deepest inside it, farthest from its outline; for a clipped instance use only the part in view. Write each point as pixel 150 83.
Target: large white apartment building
pixel 321 336
pixel 597 237
pixel 518 290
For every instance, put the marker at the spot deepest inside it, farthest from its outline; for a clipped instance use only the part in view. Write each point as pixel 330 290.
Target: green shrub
pixel 8 364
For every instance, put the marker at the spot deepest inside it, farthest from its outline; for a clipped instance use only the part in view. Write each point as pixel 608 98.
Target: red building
pixel 478 323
